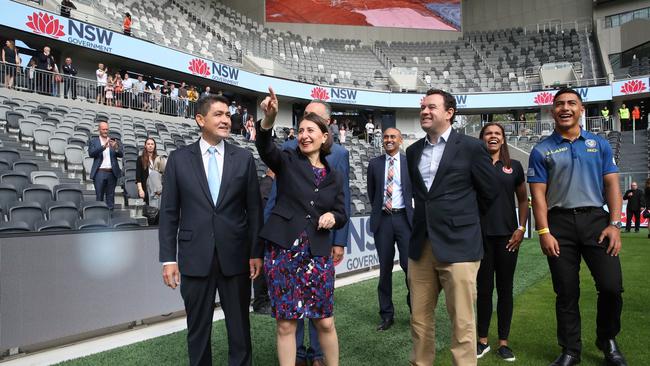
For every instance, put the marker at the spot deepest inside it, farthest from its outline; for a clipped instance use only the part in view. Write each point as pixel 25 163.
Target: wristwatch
pixel 616 224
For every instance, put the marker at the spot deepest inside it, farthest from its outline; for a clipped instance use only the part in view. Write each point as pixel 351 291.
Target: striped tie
pixel 388 195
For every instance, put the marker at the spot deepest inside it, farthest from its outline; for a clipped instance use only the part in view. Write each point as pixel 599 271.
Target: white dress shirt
pixel 205 156
pixel 398 196
pixel 106 162
pixel 127 84
pixel 431 156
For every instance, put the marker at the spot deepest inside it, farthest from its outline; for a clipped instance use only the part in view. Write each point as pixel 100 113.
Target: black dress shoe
pixel 613 355
pixel 565 359
pixel 385 324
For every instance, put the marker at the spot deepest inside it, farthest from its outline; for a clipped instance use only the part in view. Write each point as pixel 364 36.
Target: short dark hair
pixel 450 101
pixel 321 122
pixel 567 91
pixel 204 103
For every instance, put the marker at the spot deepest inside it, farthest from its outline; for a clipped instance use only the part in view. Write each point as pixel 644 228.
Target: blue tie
pixel 214 182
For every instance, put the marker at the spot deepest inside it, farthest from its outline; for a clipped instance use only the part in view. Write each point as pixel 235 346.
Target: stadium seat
pixel 29 212
pixel 25 166
pixel 131 196
pixel 46 178
pixel 74 160
pixel 41 138
pixel 91 224
pixel 66 193
pixel 53 225
pixel 8 196
pixel 63 210
pixel 14 227
pixel 9 155
pixel 57 147
pixel 19 180
pixel 125 222
pixel 95 210
pixel 4 165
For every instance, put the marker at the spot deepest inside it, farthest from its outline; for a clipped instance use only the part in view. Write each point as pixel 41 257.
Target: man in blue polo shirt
pixel 572 175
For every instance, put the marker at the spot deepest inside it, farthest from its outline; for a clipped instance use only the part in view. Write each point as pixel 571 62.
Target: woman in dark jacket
pixel 299 256
pixel 145 163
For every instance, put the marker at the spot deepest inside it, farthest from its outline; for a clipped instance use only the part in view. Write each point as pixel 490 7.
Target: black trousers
pixel 498 261
pixel 392 229
pixel 69 84
pixel 577 235
pixel 637 218
pixel 234 294
pixel 260 292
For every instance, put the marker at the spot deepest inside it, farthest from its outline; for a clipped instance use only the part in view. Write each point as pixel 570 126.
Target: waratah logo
pixel 199 67
pixel 320 93
pixel 543 98
pixel 43 23
pixel 633 87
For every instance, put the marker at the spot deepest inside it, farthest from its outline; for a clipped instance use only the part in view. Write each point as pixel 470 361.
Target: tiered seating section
pixel 478 62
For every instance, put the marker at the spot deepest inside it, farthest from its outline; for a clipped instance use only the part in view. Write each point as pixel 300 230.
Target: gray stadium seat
pixel 19 180
pixel 49 179
pixel 74 160
pixel 125 222
pixel 91 224
pixel 66 193
pixel 41 138
pixel 63 210
pixel 38 193
pixel 95 210
pixel 54 225
pixel 9 155
pixel 8 196
pixel 14 227
pixel 57 148
pixel 29 212
pixel 25 166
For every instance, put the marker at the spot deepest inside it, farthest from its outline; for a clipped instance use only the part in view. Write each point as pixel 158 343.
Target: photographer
pixel 105 170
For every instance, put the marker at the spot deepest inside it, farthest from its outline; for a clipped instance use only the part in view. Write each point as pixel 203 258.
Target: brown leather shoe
pixel 318 362
pixel 301 362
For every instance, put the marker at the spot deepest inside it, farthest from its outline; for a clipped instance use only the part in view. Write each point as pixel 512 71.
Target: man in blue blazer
pixel 105 171
pixel 338 159
pixel 210 216
pixel 390 194
pixel 453 177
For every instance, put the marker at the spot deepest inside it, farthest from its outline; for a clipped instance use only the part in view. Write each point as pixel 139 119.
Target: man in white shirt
pixel 105 171
pixel 127 85
pixel 138 91
pixel 370 130
pixel 102 77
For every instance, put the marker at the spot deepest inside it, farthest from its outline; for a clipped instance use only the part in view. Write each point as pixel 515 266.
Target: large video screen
pixel 420 14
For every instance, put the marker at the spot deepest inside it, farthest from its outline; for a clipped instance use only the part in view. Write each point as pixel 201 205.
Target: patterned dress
pixel 300 285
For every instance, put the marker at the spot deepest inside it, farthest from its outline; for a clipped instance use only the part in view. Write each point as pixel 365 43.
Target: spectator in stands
pixel 154 181
pixel 250 128
pixel 452 177
pixel 342 132
pixel 212 220
pixel 232 108
pixel 389 192
pixel 126 25
pixel 31 69
pixel 236 122
pixel 144 166
pixel 173 100
pixel 306 291
pixel 370 130
pixel 66 7
pixel 108 90
pixel 635 204
pixel 647 200
pixel 69 80
pixel 571 224
pixel 192 98
pixel 101 75
pixel 261 301
pixel 334 131
pixel 139 87
pixel 624 116
pixel 605 113
pixel 291 135
pixel 244 119
pixel 11 62
pixel 118 89
pixel 636 114
pixel 105 170
pixel 127 96
pixel 155 99
pixel 56 81
pixel 376 140
pixel 206 93
pixel 45 68
pixel 182 100
pixel 503 233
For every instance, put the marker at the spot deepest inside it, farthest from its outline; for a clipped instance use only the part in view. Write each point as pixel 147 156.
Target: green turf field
pixel 532 336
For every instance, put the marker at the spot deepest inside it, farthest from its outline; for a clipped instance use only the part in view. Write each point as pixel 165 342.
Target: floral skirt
pixel 300 285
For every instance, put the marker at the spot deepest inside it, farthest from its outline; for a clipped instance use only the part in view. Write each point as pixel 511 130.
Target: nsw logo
pixel 43 23
pixel 199 67
pixel 320 94
pixel 543 98
pixel 634 87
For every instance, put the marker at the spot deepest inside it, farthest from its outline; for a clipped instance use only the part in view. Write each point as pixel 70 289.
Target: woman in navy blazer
pixel 299 255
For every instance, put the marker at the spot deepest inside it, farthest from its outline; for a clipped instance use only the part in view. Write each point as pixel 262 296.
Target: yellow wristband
pixel 522 229
pixel 543 231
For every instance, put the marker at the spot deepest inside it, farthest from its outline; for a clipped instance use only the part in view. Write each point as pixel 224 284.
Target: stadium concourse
pixel 79 278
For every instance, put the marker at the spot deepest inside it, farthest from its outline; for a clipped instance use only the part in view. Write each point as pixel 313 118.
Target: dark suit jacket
pixel 636 201
pixel 141 176
pixel 96 151
pixel 339 160
pixel 376 180
pixel 448 213
pixel 192 227
pixel 300 203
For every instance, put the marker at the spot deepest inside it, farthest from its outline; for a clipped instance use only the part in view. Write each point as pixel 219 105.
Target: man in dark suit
pixel 210 216
pixel 338 159
pixel 390 194
pixel 452 175
pixel 105 171
pixel 634 198
pixel 261 301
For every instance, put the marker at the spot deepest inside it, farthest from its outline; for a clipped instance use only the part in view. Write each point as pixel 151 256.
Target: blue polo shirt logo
pixel 590 143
